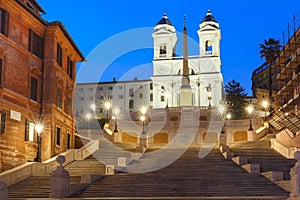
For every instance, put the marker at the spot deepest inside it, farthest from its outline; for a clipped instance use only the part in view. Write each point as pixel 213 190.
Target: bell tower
pixel 211 76
pixel 165 39
pixel 209 36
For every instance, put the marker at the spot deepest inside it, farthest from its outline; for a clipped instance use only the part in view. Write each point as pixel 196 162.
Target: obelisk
pixel 185 90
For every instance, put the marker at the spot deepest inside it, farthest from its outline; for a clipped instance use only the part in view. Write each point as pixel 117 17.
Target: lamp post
pixel 107 106
pixel 39 129
pixel 250 110
pixel 88 116
pixel 167 97
pixel 143 118
pixel 198 84
pixel 265 105
pixel 116 112
pixel 222 111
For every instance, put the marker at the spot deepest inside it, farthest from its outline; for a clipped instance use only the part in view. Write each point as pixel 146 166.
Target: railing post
pixel 3 191
pixel 295 176
pixel 60 180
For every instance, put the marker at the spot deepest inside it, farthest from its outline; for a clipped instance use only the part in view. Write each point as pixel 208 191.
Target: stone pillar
pixel 295 177
pixel 3 191
pixel 144 141
pixel 60 180
pixel 117 137
pixel 251 135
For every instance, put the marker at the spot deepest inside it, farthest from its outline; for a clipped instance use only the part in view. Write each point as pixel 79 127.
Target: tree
pixel 269 50
pixel 235 95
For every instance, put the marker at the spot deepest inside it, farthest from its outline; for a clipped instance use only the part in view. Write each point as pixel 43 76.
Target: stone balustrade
pixel 29 169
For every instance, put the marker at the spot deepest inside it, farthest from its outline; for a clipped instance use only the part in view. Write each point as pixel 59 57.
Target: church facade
pixel 164 89
pixel 204 70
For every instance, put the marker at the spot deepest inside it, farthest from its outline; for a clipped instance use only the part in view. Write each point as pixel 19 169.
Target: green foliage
pixel 269 50
pixel 235 95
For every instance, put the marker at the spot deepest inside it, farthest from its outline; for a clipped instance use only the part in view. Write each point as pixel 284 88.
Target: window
pixel 120 96
pixel 33 88
pixel 91 98
pixel 1 72
pixel 57 135
pixel 163 50
pixel 131 92
pixel 101 88
pixel 35 44
pixel 2 122
pixel 4 21
pixel 59 98
pixel 59 55
pixel 91 89
pixel 70 68
pixel 69 106
pixel 69 141
pixel 151 86
pixel 208 47
pixel 130 104
pixel 141 96
pixel 162 98
pixel 120 87
pixel 141 87
pixel 81 98
pixel 151 97
pixel 29 131
pixel 110 88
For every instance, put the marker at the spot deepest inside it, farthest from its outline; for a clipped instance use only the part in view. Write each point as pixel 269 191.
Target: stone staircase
pixel 260 152
pixel 187 178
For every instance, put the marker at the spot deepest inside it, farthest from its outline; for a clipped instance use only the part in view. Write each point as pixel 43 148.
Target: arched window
pixel 208 47
pixel 163 50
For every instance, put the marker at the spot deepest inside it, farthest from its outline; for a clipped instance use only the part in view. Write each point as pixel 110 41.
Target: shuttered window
pixel 59 55
pixel 4 22
pixel 70 68
pixel 35 44
pixel 2 122
pixel 33 88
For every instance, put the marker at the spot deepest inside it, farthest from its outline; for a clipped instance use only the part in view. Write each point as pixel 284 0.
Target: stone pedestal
pixel 186 95
pixel 3 191
pixel 117 137
pixel 251 135
pixel 295 177
pixel 144 141
pixel 222 139
pixel 60 180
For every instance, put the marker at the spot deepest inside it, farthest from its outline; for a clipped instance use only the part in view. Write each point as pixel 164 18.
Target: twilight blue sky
pixel 244 25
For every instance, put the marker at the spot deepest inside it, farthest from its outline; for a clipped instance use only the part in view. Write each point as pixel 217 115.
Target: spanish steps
pixel 188 177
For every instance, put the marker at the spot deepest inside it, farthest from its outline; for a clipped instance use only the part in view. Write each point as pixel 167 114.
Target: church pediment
pixel 163 30
pixel 209 27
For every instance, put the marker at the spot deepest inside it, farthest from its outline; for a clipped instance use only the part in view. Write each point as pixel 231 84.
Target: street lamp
pixel 167 97
pixel 107 106
pixel 265 105
pixel 222 111
pixel 88 116
pixel 250 110
pixel 116 112
pixel 39 129
pixel 143 118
